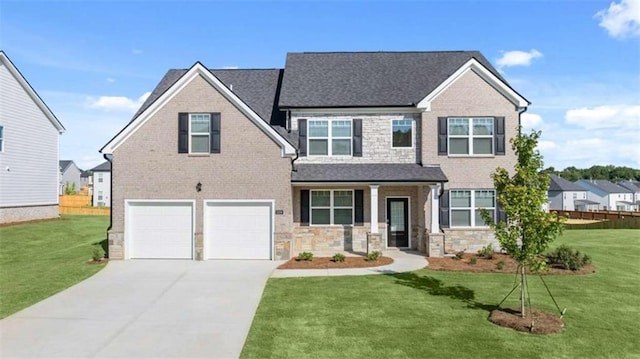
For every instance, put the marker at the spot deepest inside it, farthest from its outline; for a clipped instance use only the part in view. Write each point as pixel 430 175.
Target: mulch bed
pixel 543 322
pixel 328 263
pixel 490 265
pixel 101 261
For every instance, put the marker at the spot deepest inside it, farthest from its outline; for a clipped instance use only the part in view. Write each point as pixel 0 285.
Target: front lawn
pixel 40 259
pixel 437 314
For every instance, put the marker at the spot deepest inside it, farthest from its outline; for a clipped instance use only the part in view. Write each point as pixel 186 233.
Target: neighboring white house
pixel 29 137
pixel 102 185
pixel 610 196
pixel 633 186
pixel 69 176
pixel 568 196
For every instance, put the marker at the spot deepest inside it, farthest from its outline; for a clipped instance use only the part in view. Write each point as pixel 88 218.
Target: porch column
pixel 435 209
pixel 374 208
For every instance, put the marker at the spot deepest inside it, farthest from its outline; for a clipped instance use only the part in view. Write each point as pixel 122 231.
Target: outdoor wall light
pixel 199 187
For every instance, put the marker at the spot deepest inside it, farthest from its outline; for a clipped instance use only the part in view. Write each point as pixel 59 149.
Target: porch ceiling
pixel 366 172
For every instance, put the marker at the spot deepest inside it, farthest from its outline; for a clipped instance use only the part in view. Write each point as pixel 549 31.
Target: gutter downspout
pixel 520 110
pixel 109 158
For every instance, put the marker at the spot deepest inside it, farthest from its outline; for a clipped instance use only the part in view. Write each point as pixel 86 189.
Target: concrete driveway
pixel 144 308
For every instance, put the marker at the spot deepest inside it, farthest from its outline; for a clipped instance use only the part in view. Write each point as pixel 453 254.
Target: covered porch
pixel 362 208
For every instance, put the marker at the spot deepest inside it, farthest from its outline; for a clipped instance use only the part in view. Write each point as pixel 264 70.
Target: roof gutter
pixel 109 157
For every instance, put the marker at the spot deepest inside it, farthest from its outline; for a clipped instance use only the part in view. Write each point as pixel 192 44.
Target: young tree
pixel 528 230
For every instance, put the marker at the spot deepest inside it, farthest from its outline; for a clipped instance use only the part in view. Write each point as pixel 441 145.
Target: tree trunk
pixel 523 292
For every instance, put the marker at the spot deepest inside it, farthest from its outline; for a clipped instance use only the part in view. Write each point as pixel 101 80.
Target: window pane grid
pixel 200 129
pixel 470 136
pixel 331 207
pixel 330 137
pixel 402 133
pixel 467 205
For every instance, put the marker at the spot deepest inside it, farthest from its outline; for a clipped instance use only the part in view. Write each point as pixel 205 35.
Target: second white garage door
pixel 238 229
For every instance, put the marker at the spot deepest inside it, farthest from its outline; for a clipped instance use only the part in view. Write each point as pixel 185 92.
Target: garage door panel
pixel 238 230
pixel 160 230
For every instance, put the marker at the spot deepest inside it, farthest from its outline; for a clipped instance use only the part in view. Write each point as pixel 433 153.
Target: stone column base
pixel 374 242
pixel 435 247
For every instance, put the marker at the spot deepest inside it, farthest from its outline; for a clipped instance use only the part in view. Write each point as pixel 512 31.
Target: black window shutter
pixel 444 209
pixel 359 207
pixel 357 137
pixel 442 136
pixel 183 132
pixel 302 137
pixel 499 136
pixel 215 133
pixel 304 207
pixel 500 215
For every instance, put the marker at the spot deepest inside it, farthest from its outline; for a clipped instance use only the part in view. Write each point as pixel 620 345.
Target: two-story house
pixel 565 195
pixel 633 186
pixel 29 138
pixel 609 196
pixel 101 180
pixel 336 152
pixel 69 176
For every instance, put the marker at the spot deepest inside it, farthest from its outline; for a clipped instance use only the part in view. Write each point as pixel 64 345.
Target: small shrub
pixel 473 260
pixel 500 265
pixel 486 252
pixel 98 253
pixel 458 256
pixel 305 256
pixel 373 256
pixel 566 258
pixel 338 257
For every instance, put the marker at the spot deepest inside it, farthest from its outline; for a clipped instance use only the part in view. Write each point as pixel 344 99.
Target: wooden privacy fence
pixel 597 215
pixel 79 204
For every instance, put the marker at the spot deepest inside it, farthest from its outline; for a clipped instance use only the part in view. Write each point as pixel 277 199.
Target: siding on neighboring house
pixel 69 177
pixel 29 169
pixel 565 200
pixel 249 165
pixel 101 189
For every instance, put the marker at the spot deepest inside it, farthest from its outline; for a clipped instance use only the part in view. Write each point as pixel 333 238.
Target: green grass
pixel 40 259
pixel 431 314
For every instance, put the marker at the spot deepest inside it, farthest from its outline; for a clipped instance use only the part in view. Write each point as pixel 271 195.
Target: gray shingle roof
pixel 64 164
pixel 606 186
pixel 374 172
pixel 358 79
pixel 258 88
pixel 558 183
pixel 630 185
pixel 103 167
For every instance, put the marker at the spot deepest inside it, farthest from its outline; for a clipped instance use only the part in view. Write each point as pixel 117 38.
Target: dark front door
pixel 398 222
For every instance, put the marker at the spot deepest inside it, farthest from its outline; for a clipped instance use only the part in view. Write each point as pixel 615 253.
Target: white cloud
pixel 110 80
pixel 531 120
pixel 518 58
pixel 230 67
pixel 610 116
pixel 117 103
pixel 621 19
pixel 544 146
pixel 137 51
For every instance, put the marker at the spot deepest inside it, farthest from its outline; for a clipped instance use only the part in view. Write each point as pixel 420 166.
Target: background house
pixel 29 135
pixel 633 186
pixel 86 182
pixel 610 196
pixel 69 176
pixel 101 178
pixel 568 196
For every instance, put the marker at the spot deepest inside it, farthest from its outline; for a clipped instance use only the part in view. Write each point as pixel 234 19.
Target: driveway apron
pixel 144 308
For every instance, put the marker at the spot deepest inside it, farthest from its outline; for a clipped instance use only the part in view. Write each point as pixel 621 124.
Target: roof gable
pixel 604 186
pixel 172 84
pixel 5 61
pixel 558 183
pixel 103 167
pixel 375 79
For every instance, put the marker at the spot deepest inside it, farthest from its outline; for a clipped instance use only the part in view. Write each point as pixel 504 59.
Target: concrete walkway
pixel 403 261
pixel 143 309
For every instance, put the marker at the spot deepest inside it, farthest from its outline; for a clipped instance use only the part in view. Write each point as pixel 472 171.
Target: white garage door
pixel 238 230
pixel 162 230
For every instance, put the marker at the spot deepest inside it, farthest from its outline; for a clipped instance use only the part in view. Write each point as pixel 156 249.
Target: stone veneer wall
pixel 330 238
pixel 30 213
pixel 376 139
pixel 469 240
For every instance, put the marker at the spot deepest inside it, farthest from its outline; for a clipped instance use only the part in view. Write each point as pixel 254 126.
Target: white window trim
pixel 413 127
pixel 473 207
pixel 1 139
pixel 191 134
pixel 100 178
pixel 331 207
pixel 329 137
pixel 470 138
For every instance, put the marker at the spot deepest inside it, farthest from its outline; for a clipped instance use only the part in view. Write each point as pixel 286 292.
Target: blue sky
pixel 578 62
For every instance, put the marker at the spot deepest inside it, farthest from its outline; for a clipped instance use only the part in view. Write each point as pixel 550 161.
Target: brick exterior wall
pixel 469 96
pixel 250 165
pixel 376 138
pixel 29 213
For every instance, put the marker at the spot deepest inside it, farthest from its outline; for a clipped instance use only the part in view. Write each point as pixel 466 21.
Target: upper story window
pixel 402 133
pixel 470 136
pixel 331 207
pixel 199 132
pixel 330 137
pixel 1 138
pixel 100 178
pixel 466 206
